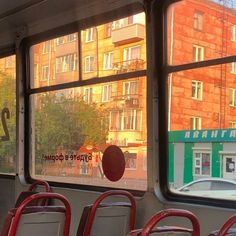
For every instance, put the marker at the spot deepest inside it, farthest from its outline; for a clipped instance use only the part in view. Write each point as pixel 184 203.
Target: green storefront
pixel 195 154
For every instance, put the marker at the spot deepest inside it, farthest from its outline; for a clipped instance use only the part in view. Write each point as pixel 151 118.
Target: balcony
pixel 66 48
pixel 128 66
pixel 121 102
pixel 128 34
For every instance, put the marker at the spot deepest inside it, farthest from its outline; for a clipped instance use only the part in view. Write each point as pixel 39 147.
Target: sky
pixel 228 3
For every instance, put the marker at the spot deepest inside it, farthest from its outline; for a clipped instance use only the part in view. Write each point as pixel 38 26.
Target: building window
pixel 130 160
pixel 122 22
pixel 197 87
pixel 89 35
pixel 232 124
pixel 202 163
pixel 66 63
pixel 131 120
pixel 60 40
pixel 84 168
pixel 89 64
pixel 108 61
pixel 198 53
pixel 233 33
pixel 131 54
pixel 233 68
pixel 232 99
pixel 46 47
pixel 125 120
pixel 115 120
pixel 198 21
pixel 9 62
pixel 45 73
pixel 130 88
pixel 108 30
pixel 88 95
pixel 196 123
pixel 106 93
pixel 71 37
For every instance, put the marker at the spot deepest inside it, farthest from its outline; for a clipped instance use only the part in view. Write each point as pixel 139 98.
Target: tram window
pixel 8 115
pixel 209 150
pixel 55 61
pixel 72 127
pixel 200 30
pixel 124 51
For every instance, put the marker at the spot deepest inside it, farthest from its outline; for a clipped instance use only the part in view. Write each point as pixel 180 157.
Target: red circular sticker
pixel 113 163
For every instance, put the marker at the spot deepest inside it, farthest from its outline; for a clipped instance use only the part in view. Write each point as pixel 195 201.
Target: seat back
pixel 115 218
pixel 24 194
pixel 164 230
pixel 226 228
pixel 39 220
pixel 149 229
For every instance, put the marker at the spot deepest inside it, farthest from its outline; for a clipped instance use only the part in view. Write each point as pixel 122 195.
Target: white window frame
pixel 45 73
pixel 233 33
pixel 197 161
pixel 132 117
pixel 89 64
pixel 60 40
pixel 71 37
pixel 89 35
pixel 88 95
pixel 123 22
pixel 128 56
pixel 118 120
pixel 108 61
pixel 106 92
pixel 196 123
pixel 198 53
pixel 197 86
pixel 232 97
pixel 233 68
pixel 127 87
pixel 66 63
pixel 46 47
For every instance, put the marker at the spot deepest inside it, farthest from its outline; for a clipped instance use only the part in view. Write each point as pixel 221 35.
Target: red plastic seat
pixel 39 220
pixel 226 229
pixel 24 194
pixel 113 218
pixel 149 226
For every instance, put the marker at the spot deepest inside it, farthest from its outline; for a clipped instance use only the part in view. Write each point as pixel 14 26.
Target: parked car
pixel 210 187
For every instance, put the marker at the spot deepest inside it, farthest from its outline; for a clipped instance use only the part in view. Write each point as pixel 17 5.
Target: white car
pixel 210 187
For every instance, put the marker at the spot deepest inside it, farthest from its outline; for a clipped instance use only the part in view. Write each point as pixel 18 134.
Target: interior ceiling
pixel 9 9
pixel 42 15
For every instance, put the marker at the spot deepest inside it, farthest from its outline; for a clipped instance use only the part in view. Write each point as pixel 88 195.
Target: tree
pixel 63 124
pixel 8 101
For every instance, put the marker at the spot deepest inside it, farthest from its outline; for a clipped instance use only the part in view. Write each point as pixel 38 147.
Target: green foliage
pixel 63 124
pixel 8 100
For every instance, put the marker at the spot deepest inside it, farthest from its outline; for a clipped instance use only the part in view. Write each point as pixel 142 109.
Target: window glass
pixel 8 115
pixel 201 30
pixel 202 134
pixel 114 48
pixel 72 128
pixel 201 186
pixel 218 185
pixel 55 61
